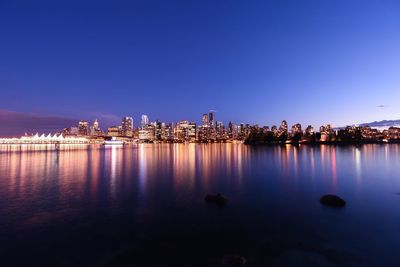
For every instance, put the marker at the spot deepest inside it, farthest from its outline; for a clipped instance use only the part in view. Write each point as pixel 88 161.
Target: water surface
pixel 143 205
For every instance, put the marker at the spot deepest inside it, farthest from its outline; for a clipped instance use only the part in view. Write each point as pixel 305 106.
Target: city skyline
pixel 15 123
pixel 209 130
pixel 311 62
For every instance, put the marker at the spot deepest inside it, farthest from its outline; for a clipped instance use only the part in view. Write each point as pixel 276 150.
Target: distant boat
pixel 113 142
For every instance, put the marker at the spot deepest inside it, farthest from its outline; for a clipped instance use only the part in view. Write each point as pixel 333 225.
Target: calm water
pixel 144 205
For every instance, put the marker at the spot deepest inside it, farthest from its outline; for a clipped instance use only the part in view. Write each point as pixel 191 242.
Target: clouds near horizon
pixel 17 123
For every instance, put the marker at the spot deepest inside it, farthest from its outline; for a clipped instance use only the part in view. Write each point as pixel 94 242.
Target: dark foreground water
pixel 144 206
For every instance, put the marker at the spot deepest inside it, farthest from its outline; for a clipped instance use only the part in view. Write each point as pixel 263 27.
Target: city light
pixel 210 131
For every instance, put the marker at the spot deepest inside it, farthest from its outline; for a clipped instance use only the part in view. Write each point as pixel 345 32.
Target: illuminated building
pixel 309 130
pixel 181 131
pixel 127 127
pixel 215 131
pixel 296 129
pixel 211 119
pixel 145 120
pixel 157 130
pixel 283 128
pixel 167 132
pixel 326 133
pixel 192 132
pixel 83 127
pixel 205 120
pixel 220 131
pixel 393 133
pixel 74 130
pixel 44 139
pixel 372 134
pixel 147 133
pixel 95 129
pixel 204 131
pixel 113 131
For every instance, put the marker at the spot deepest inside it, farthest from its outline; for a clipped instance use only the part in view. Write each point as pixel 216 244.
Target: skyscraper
pixel 96 125
pixel 145 120
pixel 127 126
pixel 95 130
pixel 83 127
pixel 158 130
pixel 211 118
pixel 192 131
pixel 205 119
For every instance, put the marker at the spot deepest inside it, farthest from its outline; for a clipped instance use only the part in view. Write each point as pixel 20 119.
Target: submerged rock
pixel 332 200
pixel 216 198
pixel 234 261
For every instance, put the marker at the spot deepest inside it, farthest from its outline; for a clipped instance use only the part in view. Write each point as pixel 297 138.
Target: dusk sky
pixel 312 62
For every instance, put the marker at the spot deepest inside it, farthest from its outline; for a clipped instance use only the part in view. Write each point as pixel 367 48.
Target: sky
pixel 313 62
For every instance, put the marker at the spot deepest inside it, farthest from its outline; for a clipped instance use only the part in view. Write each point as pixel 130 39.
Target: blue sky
pixel 312 62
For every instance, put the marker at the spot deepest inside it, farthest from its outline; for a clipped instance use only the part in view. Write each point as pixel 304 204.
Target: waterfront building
pixel 147 133
pixel 95 129
pixel 145 120
pixel 393 133
pixel 230 130
pixel 211 119
pixel 296 129
pixel 309 131
pixel 205 119
pixel 74 130
pixel 283 129
pixel 220 131
pixel 127 127
pixel 181 131
pixel 157 130
pixel 167 132
pixel 192 132
pixel 235 132
pixel 113 131
pixel 83 127
pixel 370 134
pixel 45 139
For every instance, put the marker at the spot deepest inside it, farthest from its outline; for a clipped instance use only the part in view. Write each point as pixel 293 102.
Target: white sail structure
pixel 45 139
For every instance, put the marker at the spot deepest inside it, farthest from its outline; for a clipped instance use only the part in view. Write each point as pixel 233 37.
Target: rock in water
pixel 332 200
pixel 217 199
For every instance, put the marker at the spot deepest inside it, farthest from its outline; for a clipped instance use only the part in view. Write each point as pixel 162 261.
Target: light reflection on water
pixel 147 183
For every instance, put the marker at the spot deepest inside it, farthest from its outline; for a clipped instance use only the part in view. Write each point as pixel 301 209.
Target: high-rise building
pixel 181 131
pixel 157 130
pixel 96 125
pixel 147 133
pixel 211 118
pixel 145 120
pixel 127 126
pixel 220 130
pixel 83 127
pixel 192 131
pixel 167 132
pixel 95 129
pixel 205 119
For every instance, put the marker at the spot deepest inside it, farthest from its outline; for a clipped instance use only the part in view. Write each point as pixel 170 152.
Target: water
pixel 144 205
